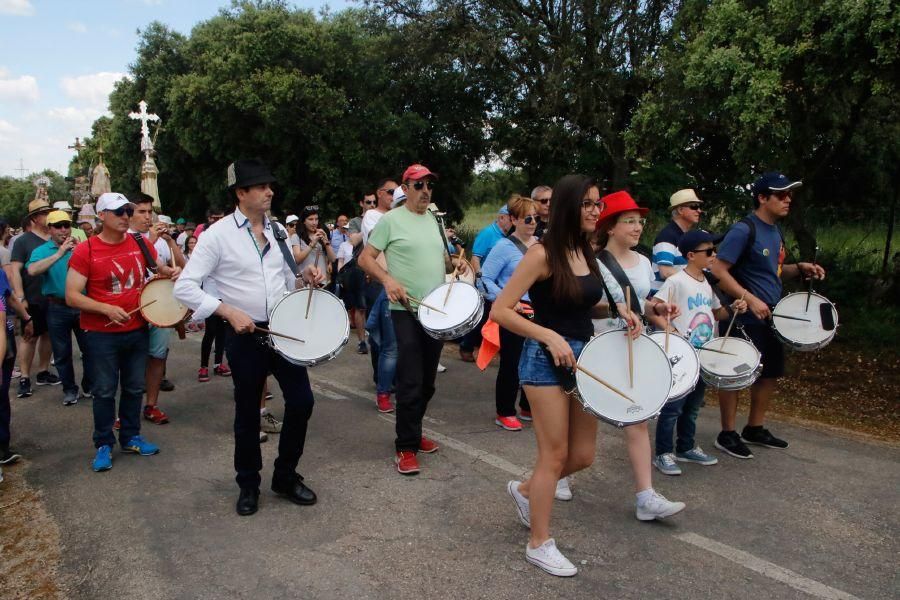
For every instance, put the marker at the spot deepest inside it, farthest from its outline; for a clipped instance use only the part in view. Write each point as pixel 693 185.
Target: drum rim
pixel 696 377
pixel 461 323
pixel 307 362
pixel 147 284
pixel 807 346
pixel 619 422
pixel 748 342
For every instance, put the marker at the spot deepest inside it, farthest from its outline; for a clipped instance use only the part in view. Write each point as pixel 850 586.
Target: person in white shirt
pixel 252 270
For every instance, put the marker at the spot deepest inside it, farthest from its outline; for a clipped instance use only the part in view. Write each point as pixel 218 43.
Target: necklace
pixel 691 275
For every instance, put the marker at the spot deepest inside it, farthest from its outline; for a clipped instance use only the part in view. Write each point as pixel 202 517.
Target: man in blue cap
pixel 751 266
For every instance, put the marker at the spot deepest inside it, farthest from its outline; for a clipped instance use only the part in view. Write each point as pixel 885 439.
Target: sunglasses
pixel 314 207
pixel 387 191
pixel 589 204
pixel 123 210
pixel 707 251
pixel 421 184
pixel 784 194
pixel 529 219
pixel 369 202
pixel 544 200
pixel 692 206
pixel 61 225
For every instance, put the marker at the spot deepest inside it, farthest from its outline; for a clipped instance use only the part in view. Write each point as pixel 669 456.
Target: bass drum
pixel 159 306
pixel 606 356
pixel 325 331
pixel 684 361
pixel 805 328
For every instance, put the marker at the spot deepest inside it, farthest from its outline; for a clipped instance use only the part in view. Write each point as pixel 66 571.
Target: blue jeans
pixel 117 358
pixel 62 321
pixel 681 416
pixel 384 341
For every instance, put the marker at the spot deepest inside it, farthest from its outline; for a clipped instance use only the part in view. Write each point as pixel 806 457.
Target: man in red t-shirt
pixel 105 279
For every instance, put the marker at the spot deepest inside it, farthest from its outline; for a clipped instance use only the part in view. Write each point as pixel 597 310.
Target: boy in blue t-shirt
pixel 754 272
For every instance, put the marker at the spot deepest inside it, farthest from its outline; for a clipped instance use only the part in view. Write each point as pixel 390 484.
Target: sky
pixel 59 60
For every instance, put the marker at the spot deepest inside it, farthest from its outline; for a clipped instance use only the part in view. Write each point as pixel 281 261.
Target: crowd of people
pixel 555 268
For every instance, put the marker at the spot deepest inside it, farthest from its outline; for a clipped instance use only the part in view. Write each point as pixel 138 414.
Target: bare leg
pixel 26 356
pixel 760 395
pixel 359 317
pixel 44 351
pixel 153 376
pixel 637 438
pixel 728 402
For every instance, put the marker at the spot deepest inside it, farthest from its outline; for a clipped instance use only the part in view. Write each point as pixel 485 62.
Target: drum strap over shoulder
pixel 281 236
pixel 610 262
pixel 148 258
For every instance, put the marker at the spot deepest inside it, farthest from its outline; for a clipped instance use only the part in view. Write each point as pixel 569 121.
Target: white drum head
pixel 461 306
pixel 165 310
pixel 684 361
pixel 743 357
pixel 803 333
pixel 606 356
pixel 325 331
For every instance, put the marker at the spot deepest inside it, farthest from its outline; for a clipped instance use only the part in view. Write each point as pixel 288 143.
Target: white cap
pixel 111 201
pixel 399 197
pixel 164 219
pixel 291 219
pixel 61 205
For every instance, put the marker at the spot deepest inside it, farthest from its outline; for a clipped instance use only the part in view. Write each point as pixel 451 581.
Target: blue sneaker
pixel 139 445
pixel 696 455
pixel 103 460
pixel 665 464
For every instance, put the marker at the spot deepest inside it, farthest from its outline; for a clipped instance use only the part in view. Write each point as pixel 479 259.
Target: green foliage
pixel 15 194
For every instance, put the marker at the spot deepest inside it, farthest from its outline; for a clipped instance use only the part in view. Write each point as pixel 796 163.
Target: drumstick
pixel 603 383
pixel 275 333
pixel 717 351
pixel 630 341
pixel 728 331
pixel 809 293
pixel 668 323
pixel 129 313
pixel 792 318
pixel 316 264
pixel 417 301
pixel 462 253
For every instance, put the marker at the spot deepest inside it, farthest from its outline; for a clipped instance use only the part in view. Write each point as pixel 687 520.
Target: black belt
pixel 56 300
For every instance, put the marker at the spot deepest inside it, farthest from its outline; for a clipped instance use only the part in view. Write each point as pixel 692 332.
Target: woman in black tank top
pixel 563 280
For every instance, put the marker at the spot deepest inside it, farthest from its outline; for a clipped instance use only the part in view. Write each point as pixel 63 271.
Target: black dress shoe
pixel 293 489
pixel 248 501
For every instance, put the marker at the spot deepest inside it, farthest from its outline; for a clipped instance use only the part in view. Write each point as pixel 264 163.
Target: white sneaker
pixel 550 559
pixel 658 507
pixel 263 437
pixel 523 508
pixel 563 491
pixel 441 368
pixel 269 423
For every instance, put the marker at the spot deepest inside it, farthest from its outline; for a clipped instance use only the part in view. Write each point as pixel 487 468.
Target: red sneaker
pixel 152 413
pixel 222 370
pixel 427 446
pixel 508 423
pixel 383 402
pixel 525 415
pixel 407 464
pixel 203 375
pixel 117 425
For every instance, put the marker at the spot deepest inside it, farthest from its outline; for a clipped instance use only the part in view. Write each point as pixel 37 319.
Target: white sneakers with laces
pixel 523 508
pixel 563 491
pixel 548 558
pixel 657 507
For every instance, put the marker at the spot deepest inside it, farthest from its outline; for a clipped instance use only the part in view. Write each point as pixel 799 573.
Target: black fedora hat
pixel 248 172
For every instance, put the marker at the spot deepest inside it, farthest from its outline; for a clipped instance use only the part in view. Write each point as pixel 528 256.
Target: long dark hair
pixel 307 212
pixel 564 235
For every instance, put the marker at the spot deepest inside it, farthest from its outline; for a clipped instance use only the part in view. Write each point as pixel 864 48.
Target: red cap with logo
pixel 416 172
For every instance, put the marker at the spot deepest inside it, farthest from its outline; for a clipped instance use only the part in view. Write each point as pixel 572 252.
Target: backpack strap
pixel 610 262
pixel 522 247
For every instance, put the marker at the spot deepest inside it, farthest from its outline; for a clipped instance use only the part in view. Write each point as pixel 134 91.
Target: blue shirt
pixel 499 267
pixel 338 237
pixel 486 239
pixel 53 280
pixel 761 272
pixel 666 253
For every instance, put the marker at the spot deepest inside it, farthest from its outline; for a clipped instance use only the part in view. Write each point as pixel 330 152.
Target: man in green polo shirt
pixel 51 262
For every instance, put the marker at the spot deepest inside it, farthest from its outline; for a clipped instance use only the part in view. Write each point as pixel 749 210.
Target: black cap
pixel 773 182
pixel 693 238
pixel 248 172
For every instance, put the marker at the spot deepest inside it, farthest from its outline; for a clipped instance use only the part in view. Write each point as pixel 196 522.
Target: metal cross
pixel 143 116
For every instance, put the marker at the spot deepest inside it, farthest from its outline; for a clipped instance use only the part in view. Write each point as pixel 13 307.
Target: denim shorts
pixel 159 342
pixel 536 368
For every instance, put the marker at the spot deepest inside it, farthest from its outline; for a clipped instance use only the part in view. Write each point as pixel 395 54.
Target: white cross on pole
pixel 143 116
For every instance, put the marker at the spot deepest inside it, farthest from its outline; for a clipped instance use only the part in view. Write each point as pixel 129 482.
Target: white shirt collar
pixel 241 220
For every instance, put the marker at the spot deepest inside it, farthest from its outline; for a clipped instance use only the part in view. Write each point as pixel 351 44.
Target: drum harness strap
pixel 142 244
pixel 610 262
pixel 281 236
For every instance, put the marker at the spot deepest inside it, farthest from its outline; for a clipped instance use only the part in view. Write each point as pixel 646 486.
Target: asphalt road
pixel 818 520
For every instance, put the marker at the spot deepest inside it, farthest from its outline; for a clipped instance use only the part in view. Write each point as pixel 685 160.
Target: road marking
pixel 744 559
pixel 763 567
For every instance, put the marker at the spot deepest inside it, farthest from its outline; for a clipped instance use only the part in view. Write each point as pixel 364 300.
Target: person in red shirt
pixel 105 279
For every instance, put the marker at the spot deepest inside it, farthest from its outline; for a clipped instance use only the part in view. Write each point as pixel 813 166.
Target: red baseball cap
pixel 619 202
pixel 416 172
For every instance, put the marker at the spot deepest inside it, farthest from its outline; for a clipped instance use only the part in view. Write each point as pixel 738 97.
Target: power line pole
pixel 22 170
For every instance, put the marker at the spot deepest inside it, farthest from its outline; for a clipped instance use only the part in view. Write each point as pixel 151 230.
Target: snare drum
pixel 464 309
pixel 734 371
pixel 325 332
pixel 813 333
pixel 684 361
pixel 159 306
pixel 606 356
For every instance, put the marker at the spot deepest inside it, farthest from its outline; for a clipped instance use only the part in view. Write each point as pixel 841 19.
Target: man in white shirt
pixel 243 252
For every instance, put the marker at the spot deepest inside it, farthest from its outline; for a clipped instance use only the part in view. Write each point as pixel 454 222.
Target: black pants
pixel 251 360
pixel 508 375
pixel 417 361
pixel 5 413
pixel 215 331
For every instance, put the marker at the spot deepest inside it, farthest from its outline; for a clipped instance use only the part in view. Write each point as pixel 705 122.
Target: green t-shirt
pixel 413 248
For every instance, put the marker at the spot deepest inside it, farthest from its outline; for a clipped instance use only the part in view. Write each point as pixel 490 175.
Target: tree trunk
pixel 890 233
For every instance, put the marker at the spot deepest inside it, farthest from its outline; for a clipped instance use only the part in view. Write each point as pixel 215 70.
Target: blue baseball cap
pixel 773 182
pixel 504 210
pixel 693 238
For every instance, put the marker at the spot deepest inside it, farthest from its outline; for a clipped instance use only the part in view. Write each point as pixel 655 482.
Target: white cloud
pixel 74 115
pixel 4 72
pixel 91 90
pixel 23 89
pixel 77 27
pixel 22 8
pixel 7 130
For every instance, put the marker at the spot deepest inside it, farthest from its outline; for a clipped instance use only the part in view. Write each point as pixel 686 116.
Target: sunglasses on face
pixel 707 251
pixel 783 195
pixel 389 191
pixel 421 184
pixel 529 219
pixel 61 225
pixel 369 202
pixel 123 210
pixel 692 206
pixel 589 204
pixel 544 201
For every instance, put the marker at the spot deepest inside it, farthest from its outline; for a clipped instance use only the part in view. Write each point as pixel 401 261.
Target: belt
pixel 56 300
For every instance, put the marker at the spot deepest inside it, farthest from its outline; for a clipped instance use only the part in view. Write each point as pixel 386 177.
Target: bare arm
pixel 666 271
pixel 16 280
pixel 42 266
